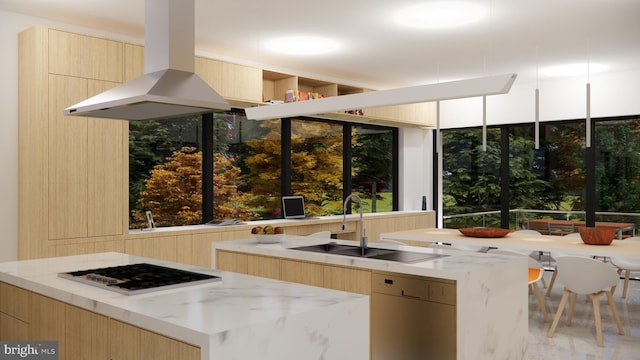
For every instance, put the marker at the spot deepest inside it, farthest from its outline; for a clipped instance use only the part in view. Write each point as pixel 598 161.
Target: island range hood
pixel 169 88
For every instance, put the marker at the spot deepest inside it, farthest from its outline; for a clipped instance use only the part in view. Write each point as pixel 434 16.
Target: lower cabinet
pixel 128 342
pixel 82 334
pixel 412 317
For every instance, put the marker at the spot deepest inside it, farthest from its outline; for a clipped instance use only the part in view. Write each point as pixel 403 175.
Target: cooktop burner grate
pixel 138 278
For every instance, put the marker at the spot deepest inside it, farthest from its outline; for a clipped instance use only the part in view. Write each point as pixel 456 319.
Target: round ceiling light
pixel 302 45
pixel 440 14
pixel 572 69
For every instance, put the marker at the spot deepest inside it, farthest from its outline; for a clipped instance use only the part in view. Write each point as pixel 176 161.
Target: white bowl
pixel 268 238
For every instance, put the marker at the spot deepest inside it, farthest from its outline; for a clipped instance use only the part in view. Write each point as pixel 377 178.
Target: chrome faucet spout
pixel 361 236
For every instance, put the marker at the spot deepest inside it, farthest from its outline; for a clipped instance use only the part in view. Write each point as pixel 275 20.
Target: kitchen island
pixel 486 294
pixel 239 317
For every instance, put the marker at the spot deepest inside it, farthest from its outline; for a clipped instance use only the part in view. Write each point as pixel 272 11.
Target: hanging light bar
pixel 537 120
pixel 491 85
pixel 484 123
pixel 588 122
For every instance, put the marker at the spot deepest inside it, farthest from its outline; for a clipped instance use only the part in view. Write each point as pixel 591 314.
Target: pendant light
pixel 588 117
pixel 484 123
pixel 440 224
pixel 537 108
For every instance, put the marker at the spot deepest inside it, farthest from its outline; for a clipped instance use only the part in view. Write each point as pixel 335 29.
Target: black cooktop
pixel 138 278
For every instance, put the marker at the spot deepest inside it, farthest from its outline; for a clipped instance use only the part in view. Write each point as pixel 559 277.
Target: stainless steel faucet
pixel 363 236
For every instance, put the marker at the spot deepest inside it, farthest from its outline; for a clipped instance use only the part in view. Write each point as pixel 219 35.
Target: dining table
pixel 519 241
pixel 562 227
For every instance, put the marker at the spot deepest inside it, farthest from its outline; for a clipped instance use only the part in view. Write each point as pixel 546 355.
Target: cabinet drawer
pixel 14 301
pixel 426 289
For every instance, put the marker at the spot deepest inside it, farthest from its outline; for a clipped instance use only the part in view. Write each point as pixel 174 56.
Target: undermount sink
pixel 370 253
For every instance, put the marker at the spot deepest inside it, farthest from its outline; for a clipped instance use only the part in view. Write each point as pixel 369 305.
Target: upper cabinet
pixel 85 56
pixel 240 85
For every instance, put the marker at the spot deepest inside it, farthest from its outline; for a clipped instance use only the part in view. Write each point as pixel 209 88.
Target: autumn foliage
pixel 173 192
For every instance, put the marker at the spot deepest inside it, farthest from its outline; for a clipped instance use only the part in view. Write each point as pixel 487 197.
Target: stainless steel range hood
pixel 169 87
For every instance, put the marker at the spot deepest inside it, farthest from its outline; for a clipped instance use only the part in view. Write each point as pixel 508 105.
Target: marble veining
pixel 241 317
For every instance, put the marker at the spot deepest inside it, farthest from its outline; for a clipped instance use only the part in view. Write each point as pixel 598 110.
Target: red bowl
pixel 484 232
pixel 597 235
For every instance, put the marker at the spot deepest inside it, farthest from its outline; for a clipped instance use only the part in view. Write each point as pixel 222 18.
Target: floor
pixel 579 340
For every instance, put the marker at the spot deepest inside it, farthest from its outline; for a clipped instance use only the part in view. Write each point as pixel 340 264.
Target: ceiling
pixel 520 37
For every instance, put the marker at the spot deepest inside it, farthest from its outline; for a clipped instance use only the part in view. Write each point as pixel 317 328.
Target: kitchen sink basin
pixel 370 253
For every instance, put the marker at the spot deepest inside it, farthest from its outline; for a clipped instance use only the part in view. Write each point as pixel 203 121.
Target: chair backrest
pixel 584 275
pixel 321 234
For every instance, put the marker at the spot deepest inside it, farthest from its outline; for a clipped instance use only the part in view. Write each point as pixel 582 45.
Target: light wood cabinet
pixel 73 177
pixel 80 333
pixel 347 279
pixel 128 342
pixel 302 272
pixel 83 328
pixel 233 81
pixel 85 56
pixel 14 313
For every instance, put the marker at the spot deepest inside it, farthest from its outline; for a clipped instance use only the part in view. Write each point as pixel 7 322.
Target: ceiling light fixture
pixel 440 14
pixel 491 85
pixel 302 45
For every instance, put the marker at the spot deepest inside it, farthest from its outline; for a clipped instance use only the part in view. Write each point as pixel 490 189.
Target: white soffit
pixel 485 86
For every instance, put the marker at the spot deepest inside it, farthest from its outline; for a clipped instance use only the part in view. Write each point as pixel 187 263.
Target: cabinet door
pixel 83 328
pixel 12 329
pixel 129 342
pixel 241 82
pixel 346 279
pixel 47 321
pixel 133 61
pixel 85 56
pixel 263 266
pixel 302 272
pixel 230 261
pixel 107 149
pixel 68 189
pixel 163 248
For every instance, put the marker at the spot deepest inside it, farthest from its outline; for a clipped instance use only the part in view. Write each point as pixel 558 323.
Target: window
pixel 549 182
pixel 254 164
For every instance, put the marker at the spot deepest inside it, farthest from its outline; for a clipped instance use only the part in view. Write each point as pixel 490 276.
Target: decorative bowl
pixel 484 232
pixel 597 235
pixel 268 238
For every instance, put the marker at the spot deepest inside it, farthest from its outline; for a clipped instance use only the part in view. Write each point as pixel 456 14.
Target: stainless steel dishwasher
pixel 412 318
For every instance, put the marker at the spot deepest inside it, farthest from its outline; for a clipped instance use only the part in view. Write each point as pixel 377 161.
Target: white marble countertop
pixel 456 266
pixel 491 290
pixel 279 320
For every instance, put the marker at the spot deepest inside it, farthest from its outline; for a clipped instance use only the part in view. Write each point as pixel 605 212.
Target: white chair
pixel 626 264
pixel 321 234
pixel 555 270
pixel 585 276
pixel 536 270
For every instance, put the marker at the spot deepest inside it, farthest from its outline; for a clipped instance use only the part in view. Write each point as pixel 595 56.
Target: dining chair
pixel 553 256
pixel 540 253
pixel 536 270
pixel 591 277
pixel 626 264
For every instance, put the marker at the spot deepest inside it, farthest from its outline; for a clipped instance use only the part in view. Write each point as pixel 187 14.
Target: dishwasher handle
pixel 403 293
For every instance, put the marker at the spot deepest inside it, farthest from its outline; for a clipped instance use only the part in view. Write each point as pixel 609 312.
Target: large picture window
pixel 549 182
pixel 254 164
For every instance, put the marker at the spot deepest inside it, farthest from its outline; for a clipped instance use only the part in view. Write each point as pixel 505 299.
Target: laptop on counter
pixel 293 208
